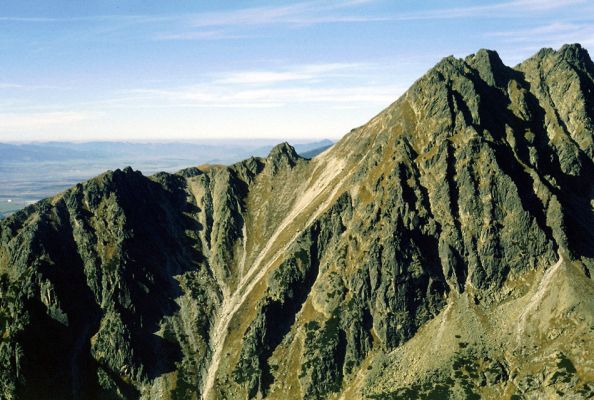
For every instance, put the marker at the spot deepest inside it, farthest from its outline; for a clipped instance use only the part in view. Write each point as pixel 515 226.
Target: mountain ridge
pixel 432 224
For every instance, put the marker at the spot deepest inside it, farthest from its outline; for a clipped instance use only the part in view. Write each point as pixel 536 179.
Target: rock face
pixel 444 249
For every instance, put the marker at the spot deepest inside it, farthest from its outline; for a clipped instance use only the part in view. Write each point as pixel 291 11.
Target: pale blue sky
pixel 143 70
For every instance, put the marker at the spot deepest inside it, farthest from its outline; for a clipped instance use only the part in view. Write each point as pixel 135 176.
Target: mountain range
pixel 445 249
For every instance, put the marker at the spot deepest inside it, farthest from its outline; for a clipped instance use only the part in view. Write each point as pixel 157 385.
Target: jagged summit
pixel 282 154
pixel 578 56
pixel 283 150
pixel 569 52
pixel 494 72
pixel 442 250
pixel 573 54
pixel 490 67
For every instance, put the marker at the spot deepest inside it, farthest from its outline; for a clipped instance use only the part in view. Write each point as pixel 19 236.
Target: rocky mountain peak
pixel 574 51
pixel 577 55
pixel 282 154
pixel 572 54
pixel 283 150
pixel 489 66
pixel 448 67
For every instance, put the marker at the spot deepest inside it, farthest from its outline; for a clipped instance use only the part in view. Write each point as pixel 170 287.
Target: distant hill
pixel 41 152
pixel 314 152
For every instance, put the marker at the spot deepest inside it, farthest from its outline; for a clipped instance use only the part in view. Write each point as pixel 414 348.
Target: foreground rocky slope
pixel 444 249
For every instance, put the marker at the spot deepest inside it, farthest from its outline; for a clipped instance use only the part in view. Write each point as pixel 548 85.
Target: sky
pixel 192 70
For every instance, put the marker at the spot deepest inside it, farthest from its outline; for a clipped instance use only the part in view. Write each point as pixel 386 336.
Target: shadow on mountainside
pixel 95 321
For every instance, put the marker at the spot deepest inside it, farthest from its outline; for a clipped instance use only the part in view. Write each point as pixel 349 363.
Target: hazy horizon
pixel 32 171
pixel 132 70
pixel 234 140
